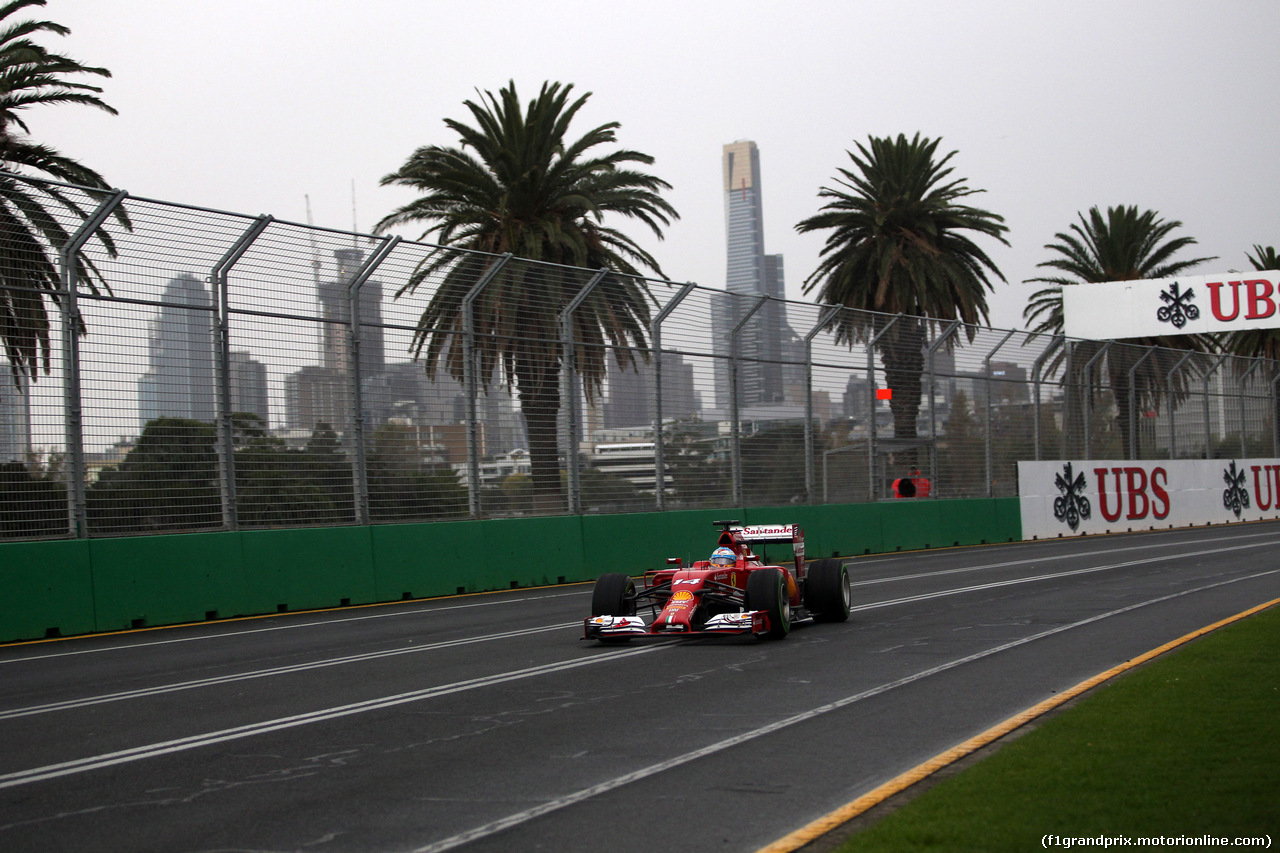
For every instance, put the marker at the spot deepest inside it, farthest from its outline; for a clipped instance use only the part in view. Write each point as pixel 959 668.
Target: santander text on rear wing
pixel 776 534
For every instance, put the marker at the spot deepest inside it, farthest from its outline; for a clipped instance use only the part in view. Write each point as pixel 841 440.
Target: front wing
pixel 632 627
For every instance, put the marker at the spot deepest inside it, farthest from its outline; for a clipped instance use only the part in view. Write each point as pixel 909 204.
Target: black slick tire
pixel 826 590
pixel 767 591
pixel 614 594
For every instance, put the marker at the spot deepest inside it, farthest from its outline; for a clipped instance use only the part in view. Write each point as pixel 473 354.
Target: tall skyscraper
pixel 179 382
pixel 335 307
pixel 750 274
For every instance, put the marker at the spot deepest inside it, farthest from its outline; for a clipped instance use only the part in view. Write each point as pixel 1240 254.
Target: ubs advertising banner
pixel 1227 302
pixel 1108 496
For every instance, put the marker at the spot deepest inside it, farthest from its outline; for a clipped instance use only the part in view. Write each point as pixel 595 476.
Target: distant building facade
pixel 335 310
pixel 249 386
pixel 631 399
pixel 15 416
pixel 750 274
pixel 179 381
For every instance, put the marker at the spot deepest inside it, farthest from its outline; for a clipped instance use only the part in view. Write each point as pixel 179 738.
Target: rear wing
pixel 771 533
pixel 776 534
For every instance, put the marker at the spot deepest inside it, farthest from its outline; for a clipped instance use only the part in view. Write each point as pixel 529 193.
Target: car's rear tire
pixel 613 595
pixel 826 590
pixel 767 591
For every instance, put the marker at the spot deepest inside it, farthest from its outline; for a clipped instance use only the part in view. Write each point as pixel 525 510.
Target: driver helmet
pixel 723 557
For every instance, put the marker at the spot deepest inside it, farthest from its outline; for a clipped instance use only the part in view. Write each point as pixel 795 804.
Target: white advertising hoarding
pixel 1108 496
pixel 1226 302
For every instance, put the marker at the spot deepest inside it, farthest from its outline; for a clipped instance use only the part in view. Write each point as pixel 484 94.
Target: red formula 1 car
pixel 735 592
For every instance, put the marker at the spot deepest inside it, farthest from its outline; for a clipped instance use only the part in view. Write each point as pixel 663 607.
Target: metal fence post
pixel 1275 409
pixel 1132 403
pixel 1036 368
pixel 1168 383
pixel 735 407
pixel 226 437
pixel 73 411
pixel 874 487
pixel 933 393
pixel 655 349
pixel 1088 396
pixel 571 391
pixel 1208 426
pixel 1243 380
pixel 470 380
pixel 986 381
pixel 359 446
pixel 824 319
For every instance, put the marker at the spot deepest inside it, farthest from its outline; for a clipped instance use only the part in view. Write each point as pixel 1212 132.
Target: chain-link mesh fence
pixel 202 370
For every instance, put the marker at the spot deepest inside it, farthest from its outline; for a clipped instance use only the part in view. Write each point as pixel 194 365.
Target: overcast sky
pixel 252 105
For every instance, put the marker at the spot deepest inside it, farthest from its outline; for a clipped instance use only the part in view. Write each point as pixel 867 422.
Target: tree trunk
pixel 538 382
pixel 902 352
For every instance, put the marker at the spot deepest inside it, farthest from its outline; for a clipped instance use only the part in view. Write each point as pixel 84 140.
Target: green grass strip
pixel 1188 745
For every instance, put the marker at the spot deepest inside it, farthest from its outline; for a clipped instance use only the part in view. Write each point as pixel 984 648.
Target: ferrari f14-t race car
pixel 734 592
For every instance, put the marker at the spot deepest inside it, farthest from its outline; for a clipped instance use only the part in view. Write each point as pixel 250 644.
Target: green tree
pixel 518 184
pixel 404 485
pixel 169 481
pixel 1125 245
pixel 31 504
pixel 30 230
pixel 900 244
pixel 773 465
pixel 962 453
pixel 277 485
pixel 696 475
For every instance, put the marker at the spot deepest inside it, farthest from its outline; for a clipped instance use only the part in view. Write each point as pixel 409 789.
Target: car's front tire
pixel 767 591
pixel 614 594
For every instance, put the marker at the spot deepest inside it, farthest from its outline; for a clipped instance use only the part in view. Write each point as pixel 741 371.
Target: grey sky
pixel 1053 107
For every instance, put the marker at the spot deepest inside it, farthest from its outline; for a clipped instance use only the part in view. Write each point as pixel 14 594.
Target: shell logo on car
pixel 682 596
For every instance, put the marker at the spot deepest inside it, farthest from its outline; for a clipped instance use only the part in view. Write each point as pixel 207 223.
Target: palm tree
pixel 1263 343
pixel 900 244
pixel 517 184
pixel 1125 245
pixel 30 231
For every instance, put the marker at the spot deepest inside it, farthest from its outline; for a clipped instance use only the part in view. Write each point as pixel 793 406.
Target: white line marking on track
pixel 326 623
pixel 855 562
pixel 265 673
pixel 925 596
pixel 518 818
pixel 124 756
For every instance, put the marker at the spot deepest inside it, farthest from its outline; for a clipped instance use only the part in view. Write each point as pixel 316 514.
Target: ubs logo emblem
pixel 1071 505
pixel 1177 308
pixel 1235 496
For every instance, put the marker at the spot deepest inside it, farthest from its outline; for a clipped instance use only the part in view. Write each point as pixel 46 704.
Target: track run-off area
pixel 482 722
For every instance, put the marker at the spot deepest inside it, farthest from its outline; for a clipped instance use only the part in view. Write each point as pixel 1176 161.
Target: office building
pixel 15 416
pixel 249 385
pixel 179 381
pixel 750 274
pixel 335 309
pixel 631 398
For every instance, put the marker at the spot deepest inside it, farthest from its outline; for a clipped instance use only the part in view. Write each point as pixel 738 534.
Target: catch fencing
pixel 224 371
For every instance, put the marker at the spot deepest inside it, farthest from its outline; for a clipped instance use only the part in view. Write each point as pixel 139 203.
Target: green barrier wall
pixel 60 588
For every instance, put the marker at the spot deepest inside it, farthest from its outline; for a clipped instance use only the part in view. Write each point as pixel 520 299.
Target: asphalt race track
pixel 483 723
